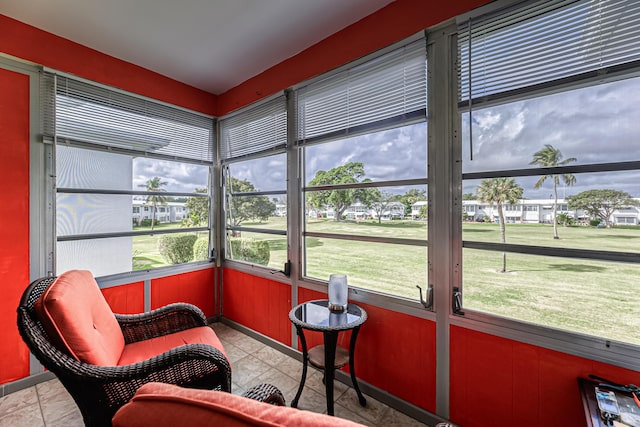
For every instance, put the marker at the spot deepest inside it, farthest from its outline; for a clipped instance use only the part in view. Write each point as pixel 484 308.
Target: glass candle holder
pixel 338 292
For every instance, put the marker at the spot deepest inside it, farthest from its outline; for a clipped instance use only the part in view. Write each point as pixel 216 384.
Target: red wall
pixel 14 221
pixel 196 287
pixel 260 304
pixel 125 299
pixel 30 43
pixel 500 382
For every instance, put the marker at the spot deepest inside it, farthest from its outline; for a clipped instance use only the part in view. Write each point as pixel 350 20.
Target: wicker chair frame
pixel 99 391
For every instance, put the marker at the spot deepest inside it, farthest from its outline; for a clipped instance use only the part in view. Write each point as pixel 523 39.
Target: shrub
pixel 201 250
pixel 146 222
pixel 594 222
pixel 565 220
pixel 250 250
pixel 177 249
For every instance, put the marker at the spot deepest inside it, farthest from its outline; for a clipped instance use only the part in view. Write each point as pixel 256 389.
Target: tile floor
pixel 48 404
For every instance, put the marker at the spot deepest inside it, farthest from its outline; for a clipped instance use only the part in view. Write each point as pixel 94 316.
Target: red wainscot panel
pixel 14 233
pixel 196 287
pixel 125 299
pixel 257 303
pixel 500 382
pixel 395 352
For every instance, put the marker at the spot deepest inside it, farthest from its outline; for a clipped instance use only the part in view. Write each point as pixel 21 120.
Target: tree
pixel 468 196
pixel 155 185
pixel 247 207
pixel 384 200
pixel 498 191
pixel 601 203
pixel 198 208
pixel 410 197
pixel 552 157
pixel 350 173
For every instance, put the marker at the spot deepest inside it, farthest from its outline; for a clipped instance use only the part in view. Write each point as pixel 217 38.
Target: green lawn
pixel 591 297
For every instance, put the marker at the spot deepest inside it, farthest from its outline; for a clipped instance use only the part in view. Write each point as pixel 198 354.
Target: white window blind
pixel 253 130
pixel 392 86
pixel 547 41
pixel 93 116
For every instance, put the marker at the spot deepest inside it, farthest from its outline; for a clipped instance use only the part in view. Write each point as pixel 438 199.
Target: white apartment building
pixel 167 212
pixel 541 211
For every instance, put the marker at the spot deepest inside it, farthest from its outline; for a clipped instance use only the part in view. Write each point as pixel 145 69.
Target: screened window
pixel 116 153
pixel 362 133
pixel 549 120
pixel 253 144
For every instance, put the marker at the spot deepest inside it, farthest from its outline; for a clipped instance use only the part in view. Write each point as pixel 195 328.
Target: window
pixel 114 154
pixel 253 144
pixel 362 135
pixel 549 119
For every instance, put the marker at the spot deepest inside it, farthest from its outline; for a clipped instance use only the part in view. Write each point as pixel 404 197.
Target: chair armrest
pixel 266 393
pixel 181 365
pixel 161 321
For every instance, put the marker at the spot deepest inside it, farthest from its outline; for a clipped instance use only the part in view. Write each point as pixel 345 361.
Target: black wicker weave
pixel 266 393
pixel 100 390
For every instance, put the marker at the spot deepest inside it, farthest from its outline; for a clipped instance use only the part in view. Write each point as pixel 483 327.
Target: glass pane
pixel 174 176
pixel 87 214
pixel 581 210
pixel 89 169
pixel 261 174
pixel 595 124
pixel 268 250
pixel 395 212
pixel 385 268
pixel 392 154
pixel 590 297
pixel 122 254
pixel 265 211
pixel 257 175
pixel 153 251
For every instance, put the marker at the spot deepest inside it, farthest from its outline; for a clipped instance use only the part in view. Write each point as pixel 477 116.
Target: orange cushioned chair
pixel 157 404
pixel 103 358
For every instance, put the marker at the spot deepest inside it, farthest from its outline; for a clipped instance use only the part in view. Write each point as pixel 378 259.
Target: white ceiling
pixel 210 44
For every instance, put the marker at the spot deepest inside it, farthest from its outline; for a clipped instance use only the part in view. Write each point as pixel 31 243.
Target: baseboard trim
pixel 25 383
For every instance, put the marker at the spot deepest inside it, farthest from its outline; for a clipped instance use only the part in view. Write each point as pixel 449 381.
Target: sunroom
pixel 372 153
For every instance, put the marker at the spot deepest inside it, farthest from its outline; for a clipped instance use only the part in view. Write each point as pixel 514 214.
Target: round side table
pixel 316 316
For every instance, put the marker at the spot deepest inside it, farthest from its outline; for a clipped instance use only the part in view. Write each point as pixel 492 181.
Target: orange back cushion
pixel 157 404
pixel 78 319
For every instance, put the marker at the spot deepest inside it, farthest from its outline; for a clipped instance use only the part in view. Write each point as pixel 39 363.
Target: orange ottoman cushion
pixel 143 350
pixel 78 319
pixel 157 404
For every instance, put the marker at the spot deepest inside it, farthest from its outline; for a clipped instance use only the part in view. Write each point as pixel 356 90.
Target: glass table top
pixel 315 315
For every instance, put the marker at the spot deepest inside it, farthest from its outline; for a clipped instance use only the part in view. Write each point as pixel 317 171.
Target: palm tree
pixel 499 191
pixel 155 185
pixel 552 157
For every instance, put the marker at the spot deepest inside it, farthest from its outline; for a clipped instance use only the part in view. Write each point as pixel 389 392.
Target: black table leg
pixel 303 342
pixel 330 342
pixel 352 369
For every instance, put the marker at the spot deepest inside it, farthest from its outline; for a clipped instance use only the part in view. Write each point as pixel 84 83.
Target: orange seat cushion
pixel 157 404
pixel 143 350
pixel 78 319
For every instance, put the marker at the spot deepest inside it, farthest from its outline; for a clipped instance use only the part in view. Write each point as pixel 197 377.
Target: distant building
pixel 534 211
pixel 167 212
